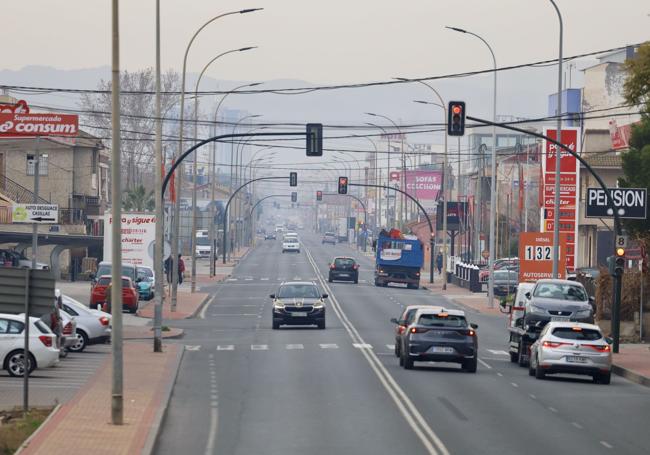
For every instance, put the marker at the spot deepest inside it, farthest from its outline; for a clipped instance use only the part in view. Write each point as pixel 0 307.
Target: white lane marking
pixel 329 346
pixel 577 425
pixel 514 384
pixel 390 346
pixel 248 279
pixel 532 396
pixel 226 347
pixel 495 352
pixel 259 347
pixel 607 444
pixel 212 435
pixel 264 279
pixel 552 409
pixel 362 345
pixel 192 347
pixel 234 314
pixel 486 365
pixel 231 279
pixel 404 404
pixel 500 374
pixel 205 307
pixel 295 346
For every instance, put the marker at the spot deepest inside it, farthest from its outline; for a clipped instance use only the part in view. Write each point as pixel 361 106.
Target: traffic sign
pixel 630 203
pixel 35 213
pixel 621 241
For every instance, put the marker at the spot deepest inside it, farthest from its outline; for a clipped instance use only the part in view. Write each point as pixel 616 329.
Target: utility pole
pixel 117 408
pixel 160 241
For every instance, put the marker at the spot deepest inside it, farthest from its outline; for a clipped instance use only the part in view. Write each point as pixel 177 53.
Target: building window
pixel 42 165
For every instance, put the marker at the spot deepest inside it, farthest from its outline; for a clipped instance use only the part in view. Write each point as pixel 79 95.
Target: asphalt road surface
pixel 246 389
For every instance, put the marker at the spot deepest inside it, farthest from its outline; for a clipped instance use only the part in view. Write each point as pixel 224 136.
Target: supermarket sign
pixel 25 125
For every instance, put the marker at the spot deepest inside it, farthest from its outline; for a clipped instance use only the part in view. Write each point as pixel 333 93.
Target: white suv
pixel 290 244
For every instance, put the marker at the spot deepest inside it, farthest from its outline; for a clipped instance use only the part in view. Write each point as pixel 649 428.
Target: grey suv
pixel 558 300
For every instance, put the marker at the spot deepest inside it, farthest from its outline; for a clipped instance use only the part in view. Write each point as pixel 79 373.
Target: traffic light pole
pixel 424 212
pixel 618 277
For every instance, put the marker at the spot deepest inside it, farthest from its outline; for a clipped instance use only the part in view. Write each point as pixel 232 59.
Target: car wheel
pixel 539 373
pixel 531 370
pixel 397 353
pixel 276 325
pixel 401 359
pixel 15 365
pixel 521 358
pixel 603 378
pixel 407 362
pixel 329 278
pixel 81 343
pixel 321 325
pixel 377 283
pixel 470 365
pixel 514 357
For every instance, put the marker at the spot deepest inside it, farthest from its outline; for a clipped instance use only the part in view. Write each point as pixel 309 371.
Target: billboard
pixel 37 125
pixel 569 184
pixel 536 256
pixel 138 238
pixel 456 215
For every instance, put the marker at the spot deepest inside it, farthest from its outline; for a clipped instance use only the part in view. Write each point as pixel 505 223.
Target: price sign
pixel 536 256
pixel 538 253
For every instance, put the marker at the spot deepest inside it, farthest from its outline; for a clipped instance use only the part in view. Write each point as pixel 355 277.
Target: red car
pixel 129 294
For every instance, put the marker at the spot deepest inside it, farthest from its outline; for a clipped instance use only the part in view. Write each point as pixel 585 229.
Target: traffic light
pixel 343 185
pixel 319 195
pixel 293 179
pixel 314 139
pixel 294 196
pixel 456 118
pixel 619 261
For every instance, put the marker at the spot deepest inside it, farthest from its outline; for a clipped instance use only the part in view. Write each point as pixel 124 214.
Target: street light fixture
pixel 494 171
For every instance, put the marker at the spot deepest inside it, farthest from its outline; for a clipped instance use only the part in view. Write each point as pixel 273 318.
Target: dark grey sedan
pixel 505 282
pixel 298 303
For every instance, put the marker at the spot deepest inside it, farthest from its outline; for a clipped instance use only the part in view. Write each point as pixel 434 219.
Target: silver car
pixel 93 326
pixel 573 348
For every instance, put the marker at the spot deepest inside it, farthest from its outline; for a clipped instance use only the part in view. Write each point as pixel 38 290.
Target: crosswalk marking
pixel 390 346
pixel 497 352
pixel 362 345
pixel 231 279
pixel 259 347
pixel 295 346
pixel 192 347
pixel 226 347
pixel 265 279
pixel 329 346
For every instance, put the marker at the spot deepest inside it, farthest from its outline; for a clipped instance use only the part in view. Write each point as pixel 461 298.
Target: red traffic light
pixel 343 185
pixel 456 109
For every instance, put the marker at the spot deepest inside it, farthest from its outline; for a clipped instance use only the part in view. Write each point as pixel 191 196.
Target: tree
pixel 138 200
pixel 137 121
pixel 636 161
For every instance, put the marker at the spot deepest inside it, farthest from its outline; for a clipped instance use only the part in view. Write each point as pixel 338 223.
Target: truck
pixel 521 337
pixel 342 229
pixel 202 249
pixel 398 260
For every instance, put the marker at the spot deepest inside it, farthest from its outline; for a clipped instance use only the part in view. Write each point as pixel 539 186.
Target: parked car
pixel 405 319
pixel 298 303
pixel 558 300
pixel 93 326
pixel 129 294
pixel 43 350
pixel 345 269
pixel 505 282
pixel 440 335
pixel 145 283
pixel 13 258
pixel 573 348
pixel 106 268
pixel 330 238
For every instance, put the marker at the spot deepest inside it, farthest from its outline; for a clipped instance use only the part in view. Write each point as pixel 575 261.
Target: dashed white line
pixel 390 346
pixel 362 345
pixel 577 425
pixel 496 352
pixel 500 374
pixel 485 364
pixel 532 396
pixel 295 346
pixel 259 347
pixel 329 346
pixel 606 444
pixel 226 347
pixel 552 409
pixel 514 384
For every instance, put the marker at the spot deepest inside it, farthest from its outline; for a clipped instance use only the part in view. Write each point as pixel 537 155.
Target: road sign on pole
pixel 35 213
pixel 630 203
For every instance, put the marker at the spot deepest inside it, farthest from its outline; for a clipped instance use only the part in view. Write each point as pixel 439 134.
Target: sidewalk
pixel 633 363
pixel 146 333
pixel 187 305
pixel 83 424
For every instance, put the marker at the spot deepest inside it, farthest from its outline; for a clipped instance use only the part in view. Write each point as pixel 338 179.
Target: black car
pixel 505 282
pixel 558 300
pixel 270 236
pixel 344 269
pixel 330 238
pixel 440 335
pixel 298 303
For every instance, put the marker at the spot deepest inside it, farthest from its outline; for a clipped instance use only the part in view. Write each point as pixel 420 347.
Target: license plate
pixel 576 359
pixel 344 274
pixel 441 350
pixel 299 314
pixel 559 318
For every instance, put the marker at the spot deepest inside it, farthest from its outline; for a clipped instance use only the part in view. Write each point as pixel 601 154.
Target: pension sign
pixel 629 203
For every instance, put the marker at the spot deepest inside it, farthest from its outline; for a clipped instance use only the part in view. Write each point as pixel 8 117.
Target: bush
pixel 630 295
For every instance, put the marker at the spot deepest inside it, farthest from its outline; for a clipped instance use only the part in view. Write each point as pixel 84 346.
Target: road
pixel 244 388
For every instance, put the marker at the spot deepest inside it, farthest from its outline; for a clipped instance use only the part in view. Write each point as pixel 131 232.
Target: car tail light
pixel 67 330
pixel 553 344
pixel 104 321
pixel 332 267
pixel 355 266
pixel 598 347
pixel 401 329
pixel 46 340
pixel 418 330
pixel 470 333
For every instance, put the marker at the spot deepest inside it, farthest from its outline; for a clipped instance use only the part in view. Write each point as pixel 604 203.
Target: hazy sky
pixel 319 41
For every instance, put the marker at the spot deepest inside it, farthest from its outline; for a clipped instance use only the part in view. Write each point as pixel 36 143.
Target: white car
pixel 93 326
pixel 43 351
pixel 290 244
pixel 571 348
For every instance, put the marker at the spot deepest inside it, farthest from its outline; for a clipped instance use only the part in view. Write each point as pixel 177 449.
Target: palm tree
pixel 138 200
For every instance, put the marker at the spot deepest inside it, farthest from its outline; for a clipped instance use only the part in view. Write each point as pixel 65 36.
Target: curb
pixel 199 308
pixel 154 431
pixel 25 444
pixel 631 375
pixel 180 335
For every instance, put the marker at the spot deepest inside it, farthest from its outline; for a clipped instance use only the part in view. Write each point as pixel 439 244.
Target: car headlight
pixel 536 310
pixel 583 313
pixel 278 305
pixel 319 305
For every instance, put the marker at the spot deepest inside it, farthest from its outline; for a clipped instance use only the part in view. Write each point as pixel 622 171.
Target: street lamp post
pixel 388 152
pixel 195 160
pixel 240 169
pixel 493 169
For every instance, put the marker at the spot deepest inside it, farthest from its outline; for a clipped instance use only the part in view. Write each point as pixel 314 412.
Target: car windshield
pixel 329 234
pixel 505 275
pixel 300 291
pixel 145 273
pixel 104 281
pixel 203 241
pixel 442 320
pixel 577 333
pixel 290 238
pixel 104 269
pixel 560 291
pixel 126 283
pixel 343 262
